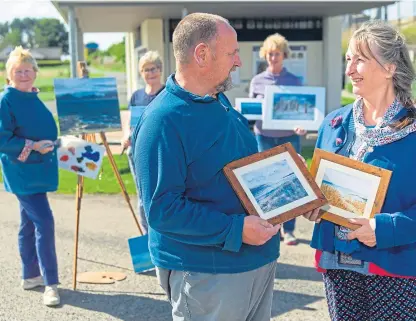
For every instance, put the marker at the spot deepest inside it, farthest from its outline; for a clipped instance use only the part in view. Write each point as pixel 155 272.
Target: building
pixel 313 29
pixel 51 53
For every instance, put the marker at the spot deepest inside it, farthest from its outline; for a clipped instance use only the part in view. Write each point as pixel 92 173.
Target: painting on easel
pixel 87 105
pixel 80 157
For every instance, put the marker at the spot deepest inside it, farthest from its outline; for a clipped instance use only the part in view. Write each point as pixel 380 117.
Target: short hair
pixel 18 56
pixel 192 30
pixel 273 42
pixel 150 57
pixel 387 46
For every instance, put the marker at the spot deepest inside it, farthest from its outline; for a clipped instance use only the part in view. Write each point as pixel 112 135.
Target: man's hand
pixel 313 216
pixel 257 231
pixel 366 233
pixel 299 131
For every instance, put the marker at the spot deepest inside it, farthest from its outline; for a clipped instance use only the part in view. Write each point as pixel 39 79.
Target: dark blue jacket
pixel 23 116
pixel 181 145
pixel 395 251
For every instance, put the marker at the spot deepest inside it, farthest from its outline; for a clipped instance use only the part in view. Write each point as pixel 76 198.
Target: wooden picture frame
pixel 353 189
pixel 274 184
pixel 287 107
pixel 250 108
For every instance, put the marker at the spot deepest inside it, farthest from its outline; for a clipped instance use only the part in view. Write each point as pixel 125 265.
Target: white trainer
pixel 51 296
pixel 32 283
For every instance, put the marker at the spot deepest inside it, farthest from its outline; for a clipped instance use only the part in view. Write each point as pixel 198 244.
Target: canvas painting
pixel 274 184
pixel 80 157
pixel 87 105
pixel 135 113
pixel 287 107
pixel 353 189
pixel 250 108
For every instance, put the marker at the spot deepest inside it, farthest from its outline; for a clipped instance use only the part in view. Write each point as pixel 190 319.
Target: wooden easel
pixel 96 277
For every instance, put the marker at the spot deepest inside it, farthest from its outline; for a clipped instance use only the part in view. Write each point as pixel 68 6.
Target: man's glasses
pixel 150 70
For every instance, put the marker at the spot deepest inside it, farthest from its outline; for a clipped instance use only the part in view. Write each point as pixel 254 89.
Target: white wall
pixel 315 75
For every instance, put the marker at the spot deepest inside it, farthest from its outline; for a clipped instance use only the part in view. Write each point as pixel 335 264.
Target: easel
pixel 96 277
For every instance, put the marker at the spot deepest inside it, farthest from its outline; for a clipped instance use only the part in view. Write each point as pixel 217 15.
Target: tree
pixel 34 33
pixel 118 51
pixel 51 33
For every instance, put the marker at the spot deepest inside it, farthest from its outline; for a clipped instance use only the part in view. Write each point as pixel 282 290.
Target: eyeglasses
pixel 26 72
pixel 150 70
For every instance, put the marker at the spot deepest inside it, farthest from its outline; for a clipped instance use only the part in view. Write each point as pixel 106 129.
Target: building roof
pixel 127 15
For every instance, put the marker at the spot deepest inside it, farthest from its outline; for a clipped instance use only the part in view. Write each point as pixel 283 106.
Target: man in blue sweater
pixel 213 261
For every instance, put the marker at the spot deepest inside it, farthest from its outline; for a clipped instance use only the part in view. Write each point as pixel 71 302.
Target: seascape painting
pixel 87 105
pixel 293 106
pixel 274 185
pixel 345 191
pixel 251 108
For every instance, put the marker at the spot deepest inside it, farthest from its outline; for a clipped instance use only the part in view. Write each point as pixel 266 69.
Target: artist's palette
pixel 80 157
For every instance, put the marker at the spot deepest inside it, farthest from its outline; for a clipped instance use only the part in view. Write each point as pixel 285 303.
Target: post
pixel 73 39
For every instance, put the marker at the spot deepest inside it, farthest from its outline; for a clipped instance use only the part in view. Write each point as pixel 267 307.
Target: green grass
pixel 46 95
pixel 346 100
pixel 116 67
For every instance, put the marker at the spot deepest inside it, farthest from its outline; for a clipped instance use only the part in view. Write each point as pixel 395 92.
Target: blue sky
pixel 10 9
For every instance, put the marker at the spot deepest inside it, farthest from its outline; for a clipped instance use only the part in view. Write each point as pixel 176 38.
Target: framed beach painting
pixel 353 189
pixel 250 108
pixel 87 105
pixel 274 184
pixel 79 156
pixel 287 107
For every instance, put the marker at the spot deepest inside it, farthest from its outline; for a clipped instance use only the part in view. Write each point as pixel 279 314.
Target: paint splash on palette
pixel 80 157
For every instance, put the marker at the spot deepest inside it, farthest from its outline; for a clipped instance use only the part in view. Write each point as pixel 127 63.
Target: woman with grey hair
pixel 150 67
pixel 370 273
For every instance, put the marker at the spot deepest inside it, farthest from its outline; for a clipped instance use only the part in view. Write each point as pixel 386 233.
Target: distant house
pixel 52 53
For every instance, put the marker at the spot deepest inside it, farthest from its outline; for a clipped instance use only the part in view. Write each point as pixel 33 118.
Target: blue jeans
pixel 37 238
pixel 140 209
pixel 265 143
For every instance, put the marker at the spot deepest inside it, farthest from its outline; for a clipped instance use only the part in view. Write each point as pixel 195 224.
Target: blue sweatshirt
pixel 395 251
pixel 23 116
pixel 181 145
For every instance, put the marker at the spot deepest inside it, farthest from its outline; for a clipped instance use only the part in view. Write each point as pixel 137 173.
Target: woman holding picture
pixel 150 66
pixel 370 273
pixel 30 170
pixel 275 49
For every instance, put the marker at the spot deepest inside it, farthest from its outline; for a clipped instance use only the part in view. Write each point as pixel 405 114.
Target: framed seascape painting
pixel 287 107
pixel 274 184
pixel 353 189
pixel 87 105
pixel 250 108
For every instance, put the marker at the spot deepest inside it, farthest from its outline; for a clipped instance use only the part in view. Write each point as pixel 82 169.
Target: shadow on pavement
pixel 288 271
pixel 122 306
pixel 284 302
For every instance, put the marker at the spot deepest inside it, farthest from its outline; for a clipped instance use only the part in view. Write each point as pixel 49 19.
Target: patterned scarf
pixel 381 134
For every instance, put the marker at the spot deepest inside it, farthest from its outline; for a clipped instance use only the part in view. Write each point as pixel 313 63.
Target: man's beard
pixel 227 84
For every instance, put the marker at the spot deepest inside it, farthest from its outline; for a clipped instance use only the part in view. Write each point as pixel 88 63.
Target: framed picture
pixel 353 189
pixel 135 113
pixel 87 105
pixel 287 107
pixel 250 108
pixel 274 184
